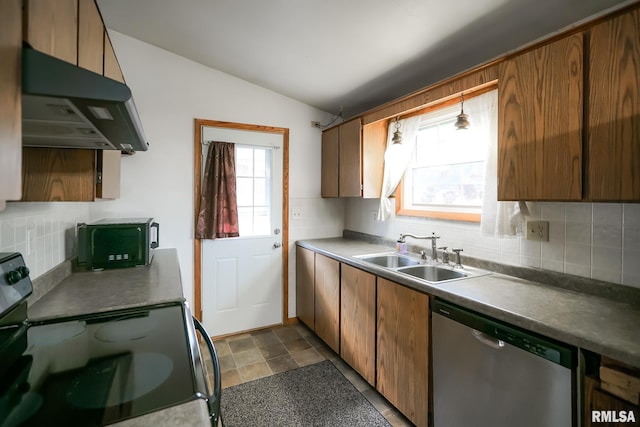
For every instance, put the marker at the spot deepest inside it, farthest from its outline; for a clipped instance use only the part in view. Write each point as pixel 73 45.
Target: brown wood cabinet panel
pixel 540 110
pixel 305 288
pixel 111 65
pixel 330 161
pixel 374 145
pixel 51 26
pixel 613 133
pixel 350 164
pixel 90 37
pixel 327 301
pixel 108 169
pixel 596 399
pixel 402 359
pixel 358 320
pixel 11 96
pixel 58 174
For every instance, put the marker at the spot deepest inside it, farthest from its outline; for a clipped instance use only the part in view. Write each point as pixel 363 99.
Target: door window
pixel 254 183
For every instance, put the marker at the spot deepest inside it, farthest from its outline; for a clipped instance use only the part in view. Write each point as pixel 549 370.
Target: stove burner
pixel 118 379
pixel 128 329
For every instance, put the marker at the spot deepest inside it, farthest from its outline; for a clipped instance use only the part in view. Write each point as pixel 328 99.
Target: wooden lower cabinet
pixel 305 288
pixel 327 301
pixel 598 402
pixel 402 358
pixel 358 321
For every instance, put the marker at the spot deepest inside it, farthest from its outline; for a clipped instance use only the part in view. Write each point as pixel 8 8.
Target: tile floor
pixel 249 356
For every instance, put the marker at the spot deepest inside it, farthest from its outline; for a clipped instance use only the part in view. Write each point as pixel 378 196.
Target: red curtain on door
pixel 218 216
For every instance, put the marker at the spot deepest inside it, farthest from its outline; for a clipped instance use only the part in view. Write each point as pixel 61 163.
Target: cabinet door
pixel 402 359
pixel 52 27
pixel 305 289
pixel 374 145
pixel 350 164
pixel 90 37
pixel 358 320
pixel 58 174
pixel 540 110
pixel 330 159
pixel 111 65
pixel 327 301
pixel 108 169
pixel 613 135
pixel 11 95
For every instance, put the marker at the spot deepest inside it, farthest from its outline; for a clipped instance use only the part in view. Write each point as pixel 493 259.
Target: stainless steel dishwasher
pixel 488 373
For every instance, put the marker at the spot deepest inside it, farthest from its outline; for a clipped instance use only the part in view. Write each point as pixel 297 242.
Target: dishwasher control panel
pixel 547 348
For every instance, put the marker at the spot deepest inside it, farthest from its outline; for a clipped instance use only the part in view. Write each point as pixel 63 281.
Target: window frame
pixel 436 213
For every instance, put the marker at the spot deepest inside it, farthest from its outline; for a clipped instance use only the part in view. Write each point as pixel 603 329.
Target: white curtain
pixel 500 219
pixel 396 159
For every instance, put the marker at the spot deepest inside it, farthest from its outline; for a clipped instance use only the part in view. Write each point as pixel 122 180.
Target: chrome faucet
pixel 433 237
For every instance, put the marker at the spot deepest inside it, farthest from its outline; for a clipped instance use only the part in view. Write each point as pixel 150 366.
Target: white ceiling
pixel 354 54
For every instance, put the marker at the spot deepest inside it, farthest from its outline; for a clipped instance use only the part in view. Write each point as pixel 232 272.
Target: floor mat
pixel 314 395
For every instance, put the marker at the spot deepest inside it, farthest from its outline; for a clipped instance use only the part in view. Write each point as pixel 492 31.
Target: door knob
pixel 276 245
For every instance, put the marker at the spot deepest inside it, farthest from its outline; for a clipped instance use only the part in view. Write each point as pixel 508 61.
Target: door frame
pixel 197 179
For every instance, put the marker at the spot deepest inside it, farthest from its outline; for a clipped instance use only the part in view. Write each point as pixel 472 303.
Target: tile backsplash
pixel 43 232
pixel 595 240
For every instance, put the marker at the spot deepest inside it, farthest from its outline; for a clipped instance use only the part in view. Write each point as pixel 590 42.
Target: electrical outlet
pixel 538 230
pixel 296 213
pixel 374 215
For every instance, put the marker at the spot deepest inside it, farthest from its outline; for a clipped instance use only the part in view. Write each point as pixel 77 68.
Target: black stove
pixel 93 370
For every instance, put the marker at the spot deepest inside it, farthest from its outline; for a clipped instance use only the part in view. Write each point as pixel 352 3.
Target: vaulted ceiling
pixel 350 54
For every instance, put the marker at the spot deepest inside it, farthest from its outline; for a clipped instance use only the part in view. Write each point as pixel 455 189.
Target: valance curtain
pixel 499 219
pixel 218 216
pixel 396 159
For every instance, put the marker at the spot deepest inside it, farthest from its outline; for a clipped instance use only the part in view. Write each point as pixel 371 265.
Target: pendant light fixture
pixel 397 135
pixel 463 119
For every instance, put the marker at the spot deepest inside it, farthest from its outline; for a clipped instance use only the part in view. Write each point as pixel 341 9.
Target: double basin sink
pixel 417 268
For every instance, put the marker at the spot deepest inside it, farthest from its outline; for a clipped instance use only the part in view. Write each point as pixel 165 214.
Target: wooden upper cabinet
pixel 350 165
pixel 111 65
pixel 305 288
pixel 90 37
pixel 51 27
pixel 58 174
pixel 330 162
pixel 613 133
pixel 353 159
pixel 540 115
pixel 11 105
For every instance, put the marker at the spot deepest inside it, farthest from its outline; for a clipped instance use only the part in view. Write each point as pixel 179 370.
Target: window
pixel 445 177
pixel 253 181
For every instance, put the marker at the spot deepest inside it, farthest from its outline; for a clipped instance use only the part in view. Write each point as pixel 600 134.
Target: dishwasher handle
pixel 214 399
pixel 487 339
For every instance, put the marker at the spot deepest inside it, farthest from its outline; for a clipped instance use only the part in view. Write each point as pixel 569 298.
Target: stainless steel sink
pixel 389 260
pixel 432 273
pixel 411 265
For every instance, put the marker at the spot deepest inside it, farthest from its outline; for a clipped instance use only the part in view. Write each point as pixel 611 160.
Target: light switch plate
pixel 538 230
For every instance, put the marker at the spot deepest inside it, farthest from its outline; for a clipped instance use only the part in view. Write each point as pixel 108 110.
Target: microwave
pixel 117 243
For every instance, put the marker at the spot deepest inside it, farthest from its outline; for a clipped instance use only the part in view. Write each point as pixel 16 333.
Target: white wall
pixel 170 92
pixel 595 240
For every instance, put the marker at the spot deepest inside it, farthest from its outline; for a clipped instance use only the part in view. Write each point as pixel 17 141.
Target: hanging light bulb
pixel 463 119
pixel 397 135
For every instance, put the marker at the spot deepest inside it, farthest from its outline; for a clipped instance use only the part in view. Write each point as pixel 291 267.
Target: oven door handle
pixel 214 399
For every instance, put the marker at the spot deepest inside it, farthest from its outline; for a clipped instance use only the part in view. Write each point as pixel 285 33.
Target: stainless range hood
pixel 66 106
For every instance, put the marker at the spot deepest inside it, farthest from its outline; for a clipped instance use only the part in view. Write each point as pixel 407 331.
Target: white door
pixel 242 276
